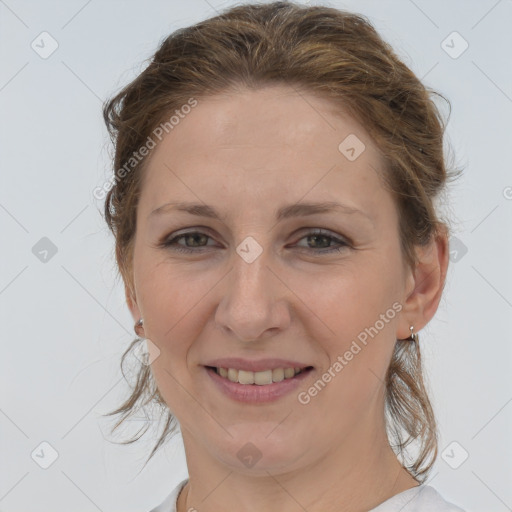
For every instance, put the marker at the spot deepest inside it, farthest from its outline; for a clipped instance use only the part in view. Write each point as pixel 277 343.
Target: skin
pixel 248 153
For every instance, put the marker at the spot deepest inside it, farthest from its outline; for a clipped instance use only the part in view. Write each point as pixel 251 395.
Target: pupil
pixel 195 236
pixel 316 237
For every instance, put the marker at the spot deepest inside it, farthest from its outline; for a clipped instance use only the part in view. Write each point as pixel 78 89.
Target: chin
pixel 258 453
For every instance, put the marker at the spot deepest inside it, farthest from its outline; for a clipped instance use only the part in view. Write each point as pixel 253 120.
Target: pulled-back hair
pixel 323 51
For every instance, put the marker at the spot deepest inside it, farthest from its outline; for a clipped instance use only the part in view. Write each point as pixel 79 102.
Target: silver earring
pixel 138 325
pixel 414 337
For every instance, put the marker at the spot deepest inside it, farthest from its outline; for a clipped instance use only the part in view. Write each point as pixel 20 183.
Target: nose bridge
pixel 250 279
pixel 252 296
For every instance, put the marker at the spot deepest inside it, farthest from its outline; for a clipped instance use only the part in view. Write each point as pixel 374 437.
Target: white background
pixel 64 321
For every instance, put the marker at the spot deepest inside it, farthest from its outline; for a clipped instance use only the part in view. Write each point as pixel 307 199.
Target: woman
pixel 273 207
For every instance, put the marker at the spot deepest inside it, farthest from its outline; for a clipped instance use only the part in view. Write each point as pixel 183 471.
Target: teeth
pixel 245 377
pixel 258 378
pixel 261 378
pixel 289 372
pixel 278 375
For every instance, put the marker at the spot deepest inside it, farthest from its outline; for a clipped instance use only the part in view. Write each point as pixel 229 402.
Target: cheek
pixel 172 298
pixel 351 299
pixel 169 293
pixel 360 310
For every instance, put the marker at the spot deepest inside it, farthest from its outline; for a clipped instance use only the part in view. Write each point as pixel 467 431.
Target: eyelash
pixel 172 243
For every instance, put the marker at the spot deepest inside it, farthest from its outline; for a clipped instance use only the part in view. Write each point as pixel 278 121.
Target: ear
pixel 425 285
pixel 132 304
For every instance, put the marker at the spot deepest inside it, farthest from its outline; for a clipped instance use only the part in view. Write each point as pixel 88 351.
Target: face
pixel 313 289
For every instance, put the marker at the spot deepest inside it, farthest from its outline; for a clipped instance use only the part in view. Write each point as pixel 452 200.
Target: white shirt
pixel 422 498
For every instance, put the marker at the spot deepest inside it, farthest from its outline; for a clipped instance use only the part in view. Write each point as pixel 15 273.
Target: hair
pixel 324 51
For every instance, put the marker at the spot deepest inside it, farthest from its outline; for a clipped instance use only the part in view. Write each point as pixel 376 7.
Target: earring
pixel 137 326
pixel 414 337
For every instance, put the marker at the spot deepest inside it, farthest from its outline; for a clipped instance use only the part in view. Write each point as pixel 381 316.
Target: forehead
pixel 273 116
pixel 275 144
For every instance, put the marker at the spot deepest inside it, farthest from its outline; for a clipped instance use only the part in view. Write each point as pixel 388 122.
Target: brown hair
pixel 324 51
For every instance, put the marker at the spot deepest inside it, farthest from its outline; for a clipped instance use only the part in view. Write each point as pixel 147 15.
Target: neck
pixel 358 475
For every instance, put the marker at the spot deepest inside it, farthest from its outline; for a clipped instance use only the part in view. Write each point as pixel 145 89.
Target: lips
pixel 256 393
pixel 257 381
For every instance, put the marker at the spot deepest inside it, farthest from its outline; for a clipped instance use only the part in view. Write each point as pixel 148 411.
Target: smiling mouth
pixel 258 378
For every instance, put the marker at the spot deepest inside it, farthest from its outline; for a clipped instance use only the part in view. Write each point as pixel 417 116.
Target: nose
pixel 255 301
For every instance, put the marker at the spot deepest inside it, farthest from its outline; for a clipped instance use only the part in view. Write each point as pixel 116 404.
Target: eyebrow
pixel 285 212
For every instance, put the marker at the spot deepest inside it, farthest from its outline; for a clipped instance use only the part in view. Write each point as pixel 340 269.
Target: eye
pixel 195 237
pixel 320 237
pixel 199 240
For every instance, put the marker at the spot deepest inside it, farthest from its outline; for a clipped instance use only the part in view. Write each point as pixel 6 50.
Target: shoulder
pixel 169 504
pixel 422 498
